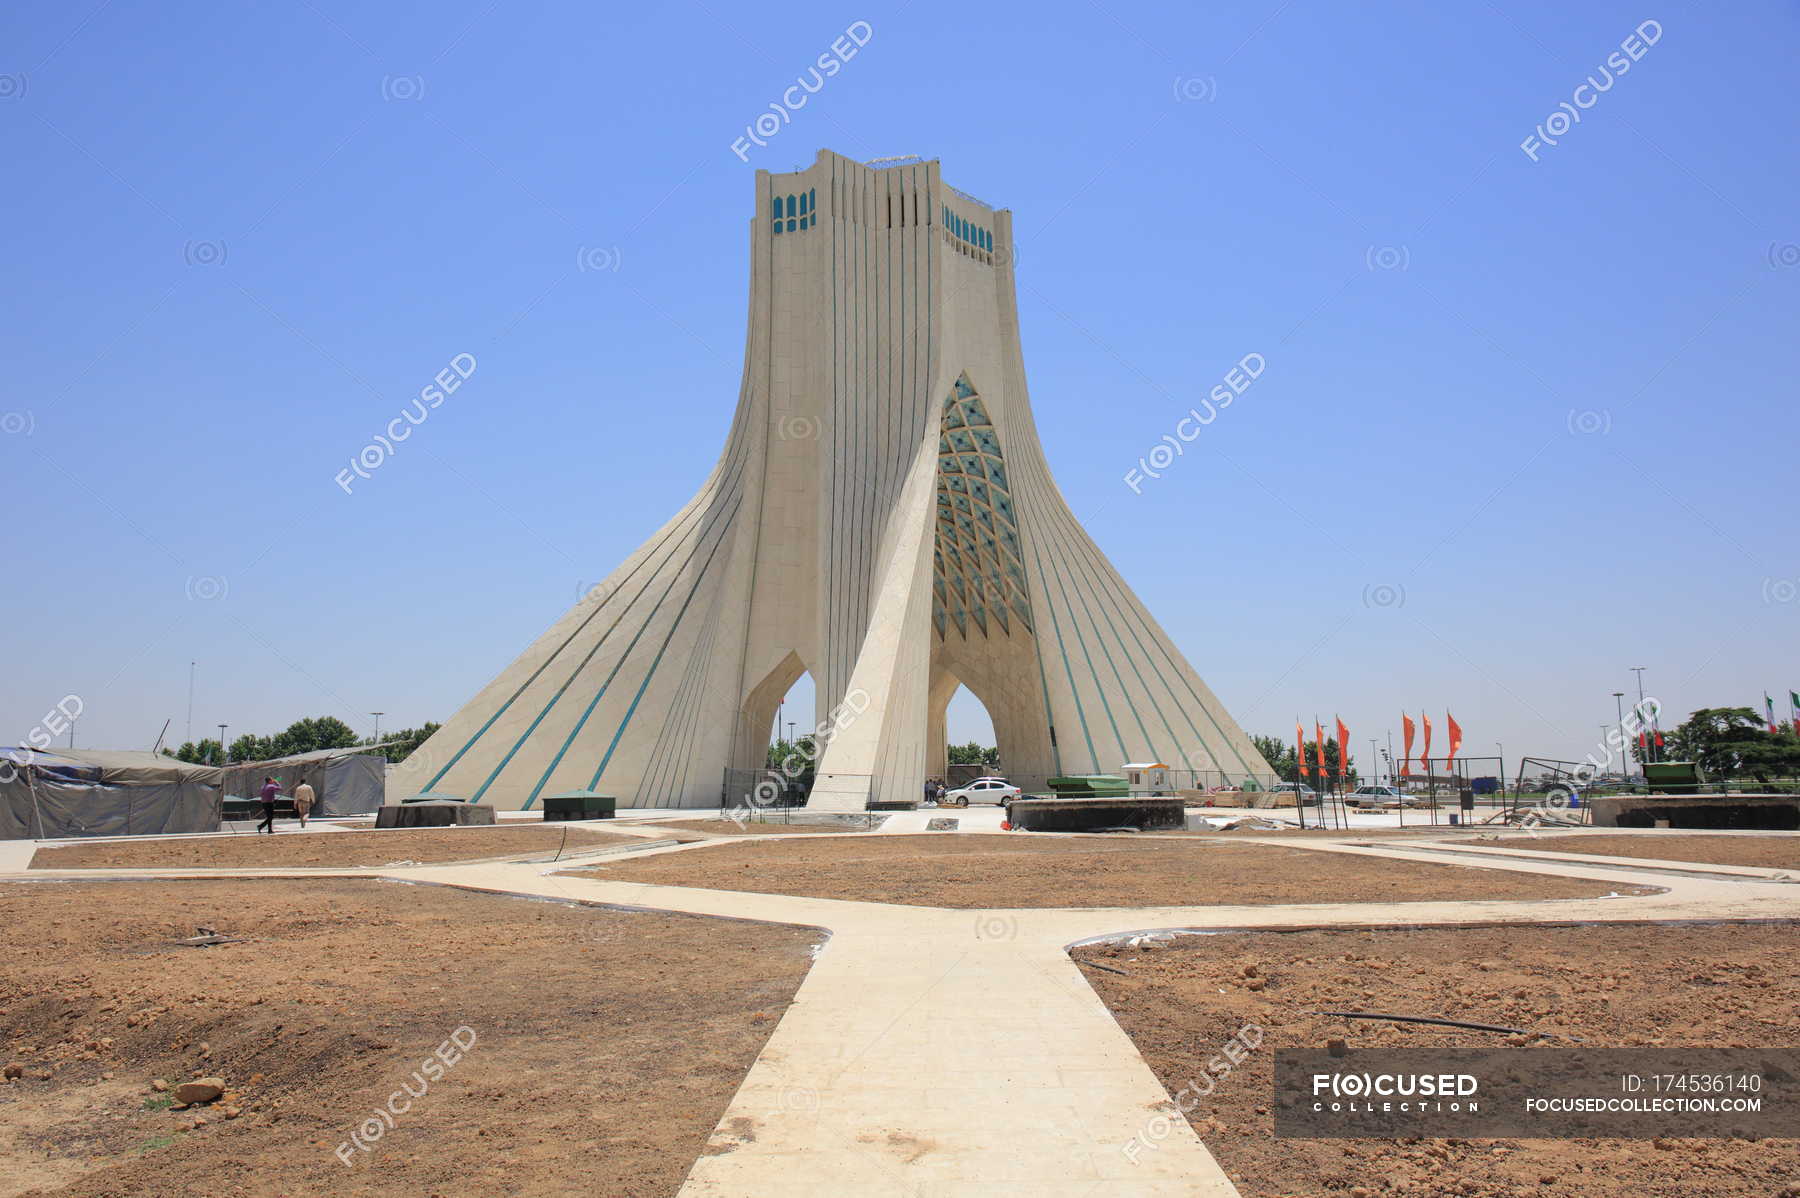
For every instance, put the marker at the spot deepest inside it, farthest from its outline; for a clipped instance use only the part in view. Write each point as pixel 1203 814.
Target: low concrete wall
pixel 1760 812
pixel 432 815
pixel 1086 815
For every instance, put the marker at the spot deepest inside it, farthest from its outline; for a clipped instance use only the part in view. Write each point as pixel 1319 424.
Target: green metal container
pixel 580 804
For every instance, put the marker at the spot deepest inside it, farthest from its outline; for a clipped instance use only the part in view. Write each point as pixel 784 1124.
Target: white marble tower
pixel 883 517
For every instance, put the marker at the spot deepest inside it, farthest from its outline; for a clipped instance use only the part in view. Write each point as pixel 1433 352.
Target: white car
pixel 982 790
pixel 1379 796
pixel 1305 796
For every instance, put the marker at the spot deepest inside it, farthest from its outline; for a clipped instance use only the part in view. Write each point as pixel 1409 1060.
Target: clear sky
pixel 1527 418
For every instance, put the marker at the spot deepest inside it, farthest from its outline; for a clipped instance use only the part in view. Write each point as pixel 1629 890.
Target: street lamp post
pixel 378 715
pixel 1649 748
pixel 223 755
pixel 1373 759
pixel 1624 740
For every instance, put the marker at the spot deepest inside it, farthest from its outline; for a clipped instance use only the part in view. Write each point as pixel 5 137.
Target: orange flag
pixel 1300 749
pixel 1343 748
pixel 1425 757
pixel 1455 734
pixel 1319 747
pixel 1406 754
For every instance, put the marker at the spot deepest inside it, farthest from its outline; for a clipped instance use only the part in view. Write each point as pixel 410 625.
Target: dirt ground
pixel 725 827
pixel 601 1047
pixel 1022 870
pixel 1728 985
pixel 1769 852
pixel 321 849
pixel 1311 833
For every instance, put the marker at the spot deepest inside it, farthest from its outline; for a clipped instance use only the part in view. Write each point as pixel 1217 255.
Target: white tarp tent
pixel 344 781
pixel 103 792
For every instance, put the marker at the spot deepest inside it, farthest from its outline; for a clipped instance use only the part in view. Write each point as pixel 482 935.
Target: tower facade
pixel 882 516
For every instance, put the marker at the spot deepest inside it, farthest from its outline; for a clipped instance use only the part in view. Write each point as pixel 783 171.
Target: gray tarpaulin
pixel 345 781
pixel 98 792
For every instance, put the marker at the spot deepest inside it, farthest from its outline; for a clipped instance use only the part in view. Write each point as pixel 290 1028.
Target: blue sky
pixel 1524 424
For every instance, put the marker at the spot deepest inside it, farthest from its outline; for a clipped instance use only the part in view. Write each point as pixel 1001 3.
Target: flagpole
pixel 1300 773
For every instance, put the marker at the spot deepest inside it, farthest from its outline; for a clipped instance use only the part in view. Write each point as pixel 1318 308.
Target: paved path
pixel 935 1053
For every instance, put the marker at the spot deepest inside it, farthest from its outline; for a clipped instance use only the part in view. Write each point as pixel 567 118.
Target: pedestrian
pixel 303 801
pixel 270 788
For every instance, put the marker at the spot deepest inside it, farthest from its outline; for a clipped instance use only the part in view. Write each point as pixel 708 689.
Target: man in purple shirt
pixel 269 790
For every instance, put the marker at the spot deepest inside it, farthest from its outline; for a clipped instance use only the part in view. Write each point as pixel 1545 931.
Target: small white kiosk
pixel 1147 776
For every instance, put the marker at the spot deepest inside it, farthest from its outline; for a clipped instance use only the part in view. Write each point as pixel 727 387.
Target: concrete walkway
pixel 936 1053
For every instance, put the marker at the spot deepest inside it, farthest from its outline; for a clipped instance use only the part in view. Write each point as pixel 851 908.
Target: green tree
pixel 795 761
pixel 1280 756
pixel 309 736
pixel 250 747
pixel 1730 742
pixel 974 753
pixel 398 746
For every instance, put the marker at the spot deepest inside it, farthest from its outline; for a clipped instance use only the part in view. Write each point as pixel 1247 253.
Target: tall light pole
pixel 1373 766
pixel 1624 740
pixel 378 715
pixel 1649 748
pixel 192 665
pixel 223 755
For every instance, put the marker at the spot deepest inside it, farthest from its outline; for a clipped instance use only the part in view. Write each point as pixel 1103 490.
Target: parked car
pixel 982 790
pixel 1308 797
pixel 1379 796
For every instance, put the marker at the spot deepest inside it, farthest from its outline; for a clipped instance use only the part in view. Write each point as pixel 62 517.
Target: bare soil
pixel 321 849
pixel 1613 986
pixel 725 827
pixel 1768 852
pixel 1023 870
pixel 602 1047
pixel 1408 833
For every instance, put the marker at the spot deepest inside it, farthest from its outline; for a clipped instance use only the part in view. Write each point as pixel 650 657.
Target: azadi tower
pixel 882 516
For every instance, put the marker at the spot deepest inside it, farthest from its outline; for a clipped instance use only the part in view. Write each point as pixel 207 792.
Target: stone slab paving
pixel 1522 848
pixel 936 1054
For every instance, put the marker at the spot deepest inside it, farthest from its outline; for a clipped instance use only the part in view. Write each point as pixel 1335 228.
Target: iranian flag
pixel 1774 728
pixel 1794 709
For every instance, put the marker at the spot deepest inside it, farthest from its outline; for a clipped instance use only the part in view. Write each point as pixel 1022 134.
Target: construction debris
pixel 1233 823
pixel 207 937
pixel 1431 1019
